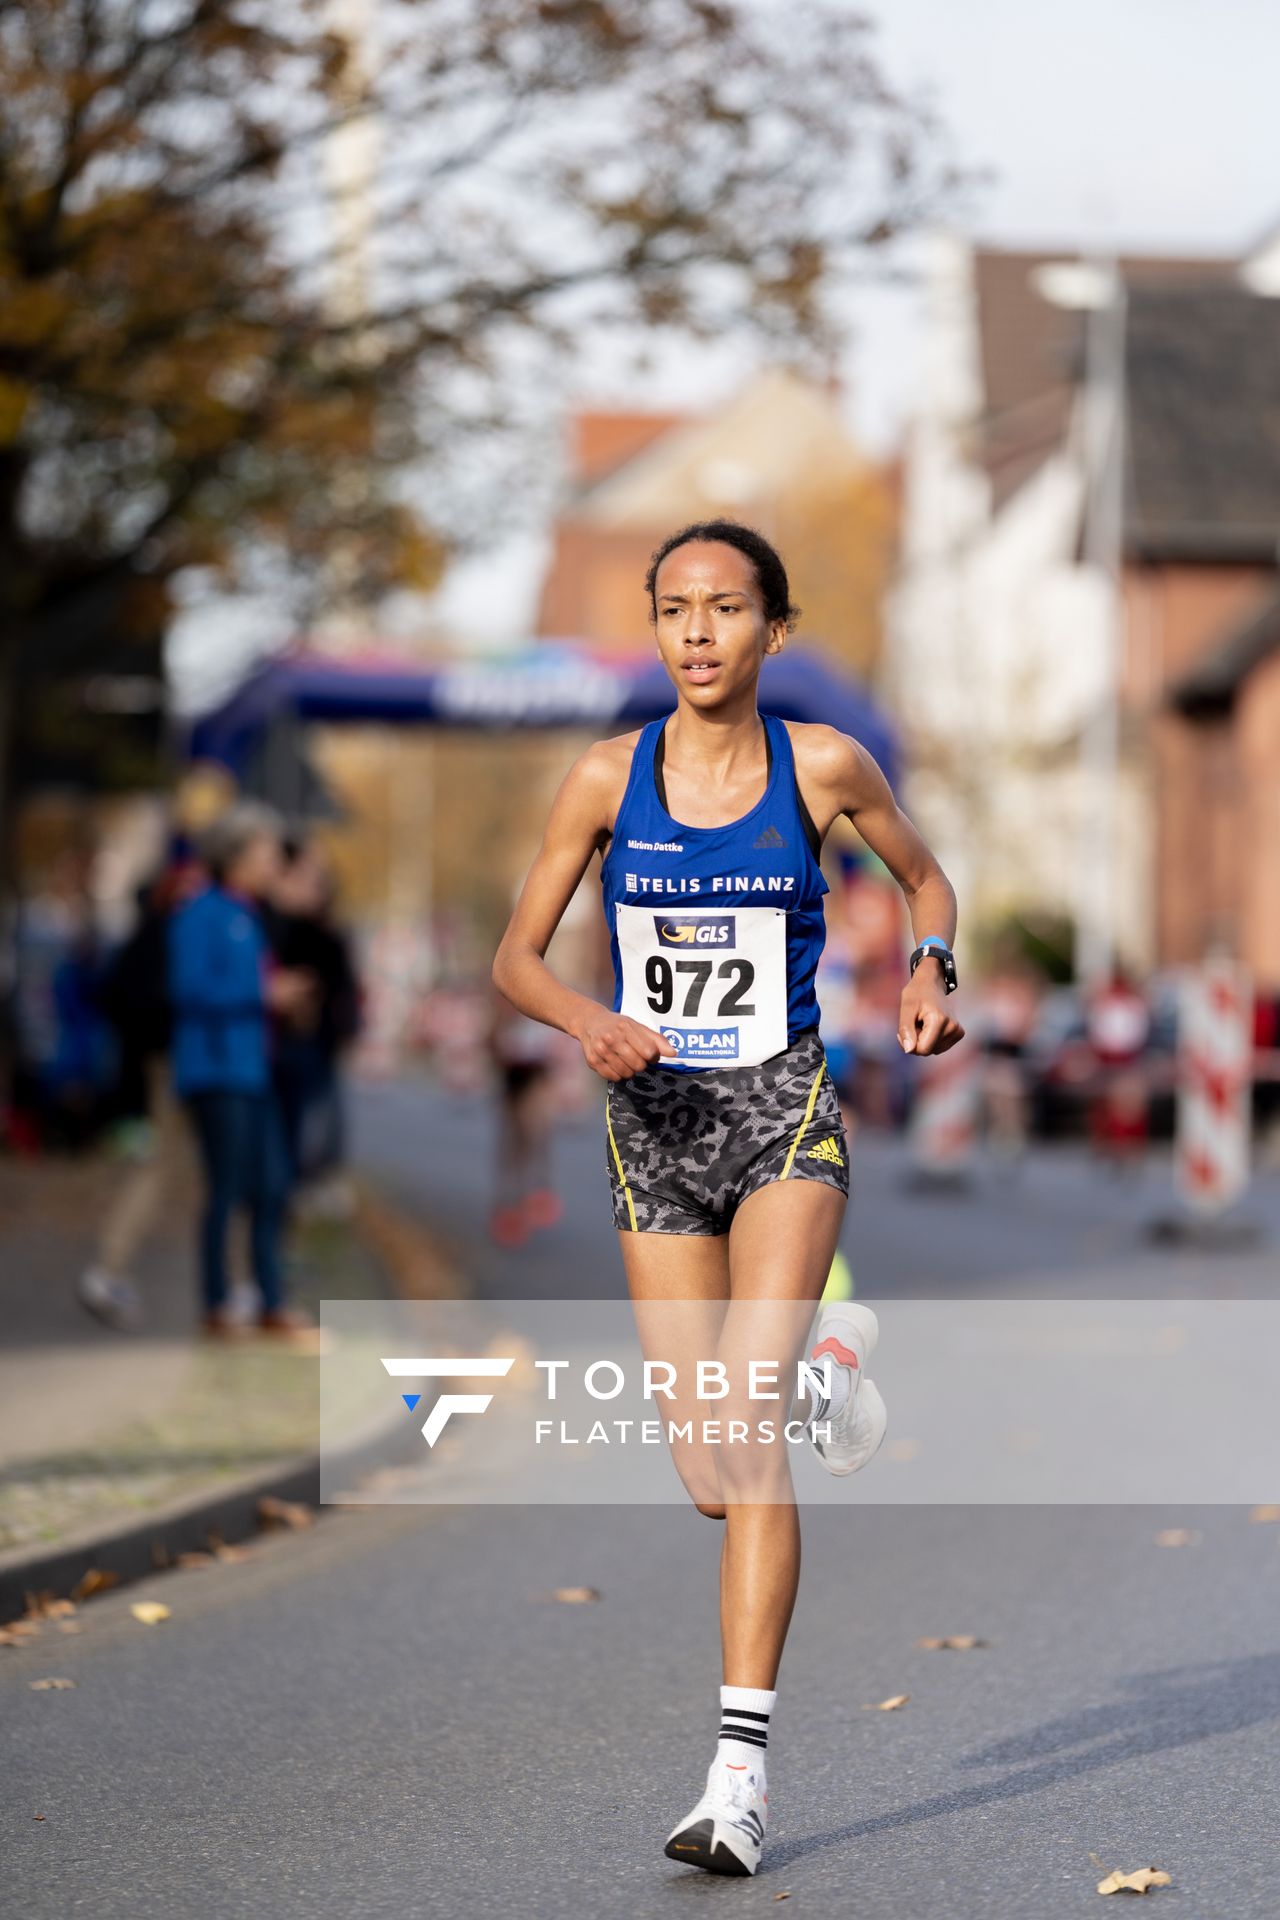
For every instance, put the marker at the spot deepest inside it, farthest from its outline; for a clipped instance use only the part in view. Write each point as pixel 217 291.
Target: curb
pixel 132 1550
pixel 148 1546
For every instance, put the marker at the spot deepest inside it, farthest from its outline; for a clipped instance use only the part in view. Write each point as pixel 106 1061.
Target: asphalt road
pixel 387 1716
pixel 1056 1227
pixel 383 1718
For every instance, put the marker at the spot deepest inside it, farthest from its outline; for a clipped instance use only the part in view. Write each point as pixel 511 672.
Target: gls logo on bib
pixel 707 931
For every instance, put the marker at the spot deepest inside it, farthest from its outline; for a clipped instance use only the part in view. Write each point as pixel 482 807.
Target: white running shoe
pixel 725 1831
pixel 113 1300
pixel 846 1334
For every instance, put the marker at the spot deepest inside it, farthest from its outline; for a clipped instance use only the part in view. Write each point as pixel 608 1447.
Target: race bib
pixel 715 984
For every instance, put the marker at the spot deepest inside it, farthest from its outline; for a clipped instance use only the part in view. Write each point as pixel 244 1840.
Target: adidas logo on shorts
pixel 827 1150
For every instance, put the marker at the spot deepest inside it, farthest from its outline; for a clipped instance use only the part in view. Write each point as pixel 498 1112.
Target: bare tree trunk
pixel 9 654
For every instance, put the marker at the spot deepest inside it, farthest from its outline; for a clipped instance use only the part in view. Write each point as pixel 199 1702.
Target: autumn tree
pixel 215 352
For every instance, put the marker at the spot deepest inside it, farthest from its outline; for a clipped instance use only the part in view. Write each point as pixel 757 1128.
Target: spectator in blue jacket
pixel 224 992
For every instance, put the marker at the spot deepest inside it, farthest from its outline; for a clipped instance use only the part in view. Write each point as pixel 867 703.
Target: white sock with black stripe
pixel 744 1726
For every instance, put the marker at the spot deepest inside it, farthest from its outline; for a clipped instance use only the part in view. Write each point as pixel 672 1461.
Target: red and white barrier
pixel 1215 1059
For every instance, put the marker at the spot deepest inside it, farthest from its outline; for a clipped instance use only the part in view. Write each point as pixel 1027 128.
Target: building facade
pixel 1091 509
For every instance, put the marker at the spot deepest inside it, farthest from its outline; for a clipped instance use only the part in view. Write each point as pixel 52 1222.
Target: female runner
pixel 726 1151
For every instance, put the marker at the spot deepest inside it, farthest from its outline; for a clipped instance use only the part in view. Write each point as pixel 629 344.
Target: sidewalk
pixel 103 1434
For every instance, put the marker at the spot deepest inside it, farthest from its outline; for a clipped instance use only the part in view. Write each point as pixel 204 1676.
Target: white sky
pixel 1149 125
pixel 1143 124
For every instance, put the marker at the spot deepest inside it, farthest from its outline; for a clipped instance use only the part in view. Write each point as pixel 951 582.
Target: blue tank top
pixel 763 859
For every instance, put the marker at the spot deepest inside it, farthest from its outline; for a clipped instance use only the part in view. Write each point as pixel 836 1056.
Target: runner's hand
pixel 924 1024
pixel 615 1046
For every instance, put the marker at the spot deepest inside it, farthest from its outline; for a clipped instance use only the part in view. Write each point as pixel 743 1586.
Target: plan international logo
pixel 703 1043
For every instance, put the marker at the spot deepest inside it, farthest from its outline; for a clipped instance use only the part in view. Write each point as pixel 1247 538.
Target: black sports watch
pixel 934 949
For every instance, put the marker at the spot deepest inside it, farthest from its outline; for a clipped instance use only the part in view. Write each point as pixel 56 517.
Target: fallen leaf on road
pixel 576 1596
pixel 782 1896
pixel 221 1551
pixel 1264 1513
pixel 70 1626
pixel 40 1686
pixel 149 1612
pixel 23 1629
pixel 37 1816
pixel 283 1513
pixel 1177 1537
pixel 195 1559
pixel 886 1706
pixel 93 1581
pixel 958 1642
pixel 45 1605
pixel 1138 1882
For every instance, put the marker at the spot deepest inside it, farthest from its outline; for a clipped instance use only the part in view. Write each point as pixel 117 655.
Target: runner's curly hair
pixel 771 575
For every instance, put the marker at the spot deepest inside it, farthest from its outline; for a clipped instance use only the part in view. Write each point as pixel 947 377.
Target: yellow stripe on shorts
pixel 808 1115
pixel 617 1161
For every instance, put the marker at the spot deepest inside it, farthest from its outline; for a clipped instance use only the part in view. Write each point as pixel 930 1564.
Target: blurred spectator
pixel 133 993
pixel 836 987
pixel 883 1085
pixel 310 1038
pixel 1118 1026
pixel 1008 1006
pixel 224 988
pixel 64 1054
pixel 524 1197
pixel 1266 1090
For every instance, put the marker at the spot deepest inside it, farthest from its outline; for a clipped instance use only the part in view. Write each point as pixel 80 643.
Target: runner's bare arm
pixel 839 776
pixel 579 824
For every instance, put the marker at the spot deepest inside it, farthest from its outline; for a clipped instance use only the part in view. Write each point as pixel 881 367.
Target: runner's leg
pixel 663 1269
pixel 780 1248
pixel 776 1256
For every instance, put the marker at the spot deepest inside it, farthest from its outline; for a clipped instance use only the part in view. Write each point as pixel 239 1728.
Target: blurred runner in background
pixel 134 996
pixel 1118 1024
pixel 524 1197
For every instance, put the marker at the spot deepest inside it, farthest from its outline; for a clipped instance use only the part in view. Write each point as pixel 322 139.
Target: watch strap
pixel 933 948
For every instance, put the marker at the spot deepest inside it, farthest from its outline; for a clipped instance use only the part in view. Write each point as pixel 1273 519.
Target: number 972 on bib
pixel 714 983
